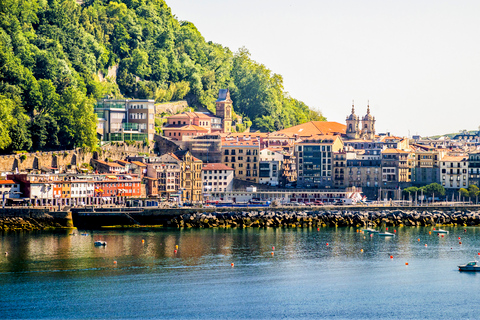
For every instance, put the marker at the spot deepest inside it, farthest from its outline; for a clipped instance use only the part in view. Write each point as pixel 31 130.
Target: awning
pixel 111 177
pixel 128 177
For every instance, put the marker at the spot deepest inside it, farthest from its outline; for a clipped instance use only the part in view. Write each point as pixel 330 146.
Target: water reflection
pixel 60 251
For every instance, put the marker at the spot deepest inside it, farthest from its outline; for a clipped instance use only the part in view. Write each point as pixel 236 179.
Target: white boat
pixel 440 231
pixel 471 266
pixel 100 243
pixel 386 234
pixel 370 230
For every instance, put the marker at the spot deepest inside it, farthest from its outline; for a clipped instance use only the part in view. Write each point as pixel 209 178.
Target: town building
pixel 270 167
pixel 224 110
pixel 242 155
pixel 396 168
pixel 315 160
pixel 474 168
pixel 216 177
pixel 454 171
pixel 125 119
pixel 9 191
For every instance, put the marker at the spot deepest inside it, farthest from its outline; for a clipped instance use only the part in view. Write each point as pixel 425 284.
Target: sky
pixel 416 62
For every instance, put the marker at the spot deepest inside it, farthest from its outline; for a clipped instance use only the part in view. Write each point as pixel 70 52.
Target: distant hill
pixel 58 56
pixel 451 135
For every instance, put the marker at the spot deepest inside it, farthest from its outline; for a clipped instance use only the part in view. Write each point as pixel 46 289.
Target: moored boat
pixel 386 234
pixel 471 266
pixel 440 231
pixel 100 243
pixel 370 230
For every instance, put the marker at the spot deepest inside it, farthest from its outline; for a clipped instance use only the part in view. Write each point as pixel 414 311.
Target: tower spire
pixel 368 106
pixel 353 106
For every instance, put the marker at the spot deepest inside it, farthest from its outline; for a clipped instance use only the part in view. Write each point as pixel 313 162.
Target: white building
pixel 9 189
pixel 453 171
pixel 217 177
pixel 270 167
pixel 81 190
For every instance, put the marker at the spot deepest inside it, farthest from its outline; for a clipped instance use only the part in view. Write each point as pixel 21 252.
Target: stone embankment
pixel 28 224
pixel 26 219
pixel 331 218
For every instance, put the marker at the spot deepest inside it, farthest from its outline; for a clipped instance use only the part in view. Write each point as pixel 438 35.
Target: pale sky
pixel 416 61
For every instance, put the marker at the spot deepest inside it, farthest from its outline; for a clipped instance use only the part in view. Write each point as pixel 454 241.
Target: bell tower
pixel 353 122
pixel 224 108
pixel 368 125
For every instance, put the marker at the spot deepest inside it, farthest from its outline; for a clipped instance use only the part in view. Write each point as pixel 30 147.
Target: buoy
pixel 387 229
pixel 273 253
pixel 395 231
pixel 459 238
pixel 143 241
pixel 434 229
pixel 364 238
pixel 425 244
pixel 459 242
pixel 443 236
pixel 327 243
pixel 175 251
pixel 273 248
pixel 361 250
pixel 418 239
pixel 115 262
pixel 176 246
pixel 371 234
pixel 391 257
pixel 479 253
pixel 406 263
pixel 464 230
pixel 429 232
pixel 232 264
pixel 318 229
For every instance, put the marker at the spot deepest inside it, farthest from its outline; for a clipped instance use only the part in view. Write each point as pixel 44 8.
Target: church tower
pixel 368 125
pixel 224 109
pixel 353 122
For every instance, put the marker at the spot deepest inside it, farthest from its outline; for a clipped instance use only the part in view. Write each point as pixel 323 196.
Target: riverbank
pixel 28 219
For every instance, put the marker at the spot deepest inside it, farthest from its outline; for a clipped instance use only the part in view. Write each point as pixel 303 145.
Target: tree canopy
pixel 54 54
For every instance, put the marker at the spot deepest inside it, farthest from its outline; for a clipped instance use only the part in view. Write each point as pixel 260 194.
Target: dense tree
pixel 54 53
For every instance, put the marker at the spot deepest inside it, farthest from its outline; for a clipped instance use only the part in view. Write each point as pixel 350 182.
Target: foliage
pixel 52 53
pixel 472 191
pixel 434 189
pixel 410 191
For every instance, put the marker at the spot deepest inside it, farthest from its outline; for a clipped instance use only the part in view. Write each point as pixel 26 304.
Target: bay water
pixel 277 273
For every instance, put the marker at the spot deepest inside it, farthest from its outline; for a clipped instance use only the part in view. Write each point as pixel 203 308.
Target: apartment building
pixel 454 172
pixel 315 160
pixel 242 155
pixel 217 177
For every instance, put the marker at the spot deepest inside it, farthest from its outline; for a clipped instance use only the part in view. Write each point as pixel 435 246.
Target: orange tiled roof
pixel 312 128
pixel 215 166
pixel 7 182
pixel 140 164
pixel 390 150
pixel 453 158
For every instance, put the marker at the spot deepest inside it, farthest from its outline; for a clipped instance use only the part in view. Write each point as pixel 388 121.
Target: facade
pixel 166 170
pixel 289 170
pixel 125 119
pixel 9 189
pixel 396 168
pixel 270 167
pixel 454 171
pixel 187 124
pixel 109 167
pixel 242 155
pixel 474 168
pixel 426 169
pixel 315 161
pixel 216 177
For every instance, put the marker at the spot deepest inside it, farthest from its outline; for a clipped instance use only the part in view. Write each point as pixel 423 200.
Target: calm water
pixel 60 276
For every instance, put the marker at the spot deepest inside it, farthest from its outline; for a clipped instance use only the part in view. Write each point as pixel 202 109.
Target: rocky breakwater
pixel 331 218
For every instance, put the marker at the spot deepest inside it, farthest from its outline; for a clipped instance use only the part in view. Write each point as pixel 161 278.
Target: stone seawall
pixel 331 218
pixel 277 217
pixel 26 219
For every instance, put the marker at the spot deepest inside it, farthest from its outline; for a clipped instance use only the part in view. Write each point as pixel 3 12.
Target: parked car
pixel 318 203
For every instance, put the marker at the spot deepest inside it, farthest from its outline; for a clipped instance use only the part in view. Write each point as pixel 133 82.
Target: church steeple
pixel 353 122
pixel 368 125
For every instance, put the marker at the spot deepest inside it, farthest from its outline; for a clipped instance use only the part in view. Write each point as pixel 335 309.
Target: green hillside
pixel 55 55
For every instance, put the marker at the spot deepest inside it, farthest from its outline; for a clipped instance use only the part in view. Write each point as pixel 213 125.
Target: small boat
pixel 440 231
pixel 386 234
pixel 370 230
pixel 471 266
pixel 100 243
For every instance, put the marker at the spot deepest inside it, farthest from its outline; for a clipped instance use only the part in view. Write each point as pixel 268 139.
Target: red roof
pixel 7 182
pixel 215 166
